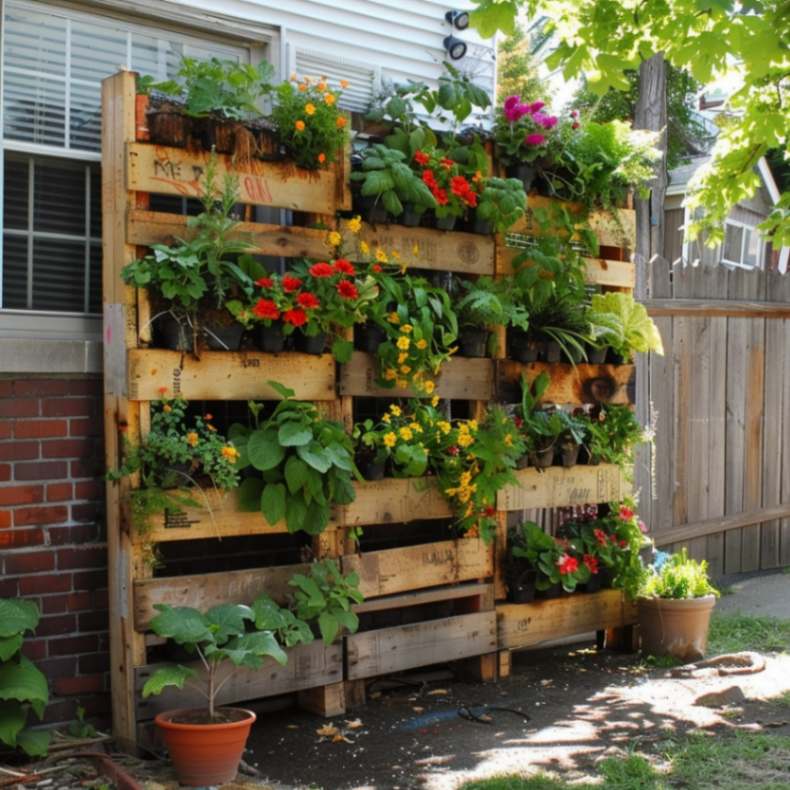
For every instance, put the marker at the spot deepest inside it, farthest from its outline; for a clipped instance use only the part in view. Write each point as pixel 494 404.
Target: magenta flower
pixel 511 108
pixel 549 121
pixel 537 106
pixel 535 139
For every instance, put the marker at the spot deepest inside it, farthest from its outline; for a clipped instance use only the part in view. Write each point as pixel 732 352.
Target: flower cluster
pixel 523 130
pixel 453 191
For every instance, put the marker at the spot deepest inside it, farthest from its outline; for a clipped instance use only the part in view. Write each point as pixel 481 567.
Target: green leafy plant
pixel 488 302
pixel 502 202
pixel 613 433
pixel 306 464
pixel 629 328
pixel 327 596
pixel 218 638
pixel 523 132
pixel 23 687
pixel 678 577
pixel 557 561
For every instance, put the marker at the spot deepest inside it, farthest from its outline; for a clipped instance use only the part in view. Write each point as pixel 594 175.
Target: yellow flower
pixel 211 427
pixel 395 255
pixel 403 343
pixel 364 247
pixel 390 439
pixel 340 121
pixel 390 374
pixel 403 383
pixel 167 408
pixel 386 418
pixel 463 427
pixel 354 224
pixel 230 453
pixel 299 125
pixel 402 357
pixel 393 318
pixel 329 98
pixel 434 399
pixel 406 434
pixel 303 87
pixel 429 387
pixel 465 439
pixel 334 239
pixel 422 343
pixel 406 328
pixel 416 427
pixel 381 256
pixel 192 438
pixel 472 425
pixel 321 86
pixel 466 478
pixel 405 369
pixel 444 426
pixel 343 84
pixel 309 108
pixel 294 78
pixel 508 440
pixel 395 410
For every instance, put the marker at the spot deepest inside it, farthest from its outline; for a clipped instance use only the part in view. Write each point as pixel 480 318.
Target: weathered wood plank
pixel 462 378
pixel 480 595
pixel 715 308
pixel 716 440
pixel 229 375
pixel 569 384
pixel 406 568
pixel 308 666
pixel 784 537
pixel 176 171
pixel 204 590
pixel 394 501
pixel 530 624
pixel 559 487
pixel 403 647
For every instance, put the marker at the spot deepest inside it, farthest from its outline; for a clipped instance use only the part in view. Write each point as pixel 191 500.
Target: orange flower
pixel 299 125
pixel 162 390
pixel 321 86
pixel 343 84
pixel 192 438
pixel 341 121
pixel 303 87
pixel 322 158
pixel 208 416
pixel 309 108
pixel 329 98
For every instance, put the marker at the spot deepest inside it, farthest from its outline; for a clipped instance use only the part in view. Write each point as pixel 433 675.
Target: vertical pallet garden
pixel 429 598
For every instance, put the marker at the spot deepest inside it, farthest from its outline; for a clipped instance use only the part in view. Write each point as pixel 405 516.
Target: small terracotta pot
pixel 205 754
pixel 677 628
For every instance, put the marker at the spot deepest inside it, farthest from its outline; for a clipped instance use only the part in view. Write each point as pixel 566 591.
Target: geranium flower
pixel 295 317
pixel 376 268
pixel 421 158
pixel 453 450
pixel 441 196
pixel 321 158
pixel 535 139
pixel 344 266
pixel 446 162
pixel 591 562
pixel 600 536
pixel 266 309
pixel 567 564
pixel 321 269
pixel 429 179
pixel 489 511
pixel 291 283
pixel 308 301
pixel 626 514
pixel 265 282
pixel 347 289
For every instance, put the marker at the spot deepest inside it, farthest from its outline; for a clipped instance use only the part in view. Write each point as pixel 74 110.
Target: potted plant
pixel 266 313
pixel 520 574
pixel 451 189
pixel 675 602
pixel 541 428
pixel 572 436
pixel 502 203
pixel 478 309
pixel 612 433
pixel 629 328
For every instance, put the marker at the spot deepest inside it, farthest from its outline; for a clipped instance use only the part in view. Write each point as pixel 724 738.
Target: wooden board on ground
pixel 426 248
pixel 406 568
pixel 394 501
pixel 228 375
pixel 308 666
pixel 387 650
pixel 460 378
pixel 176 171
pixel 529 624
pixel 569 384
pixel 291 241
pixel 560 487
pixel 204 590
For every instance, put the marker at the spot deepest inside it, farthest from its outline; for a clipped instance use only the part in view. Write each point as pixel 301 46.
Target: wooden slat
pixel 290 241
pixel 204 590
pixel 460 377
pixel 308 666
pixel 394 501
pixel 468 253
pixel 530 624
pixel 559 487
pixel 403 647
pixel 226 375
pixel 716 308
pixel 483 592
pixel 405 568
pixel 569 384
pixel 177 171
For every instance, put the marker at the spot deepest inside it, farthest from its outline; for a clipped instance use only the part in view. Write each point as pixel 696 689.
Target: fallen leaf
pixel 341 739
pixel 437 692
pixel 326 731
pixel 355 724
pixel 293 726
pixel 418 709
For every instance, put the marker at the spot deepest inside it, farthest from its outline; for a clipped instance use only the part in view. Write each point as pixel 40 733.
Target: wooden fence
pixel 718 478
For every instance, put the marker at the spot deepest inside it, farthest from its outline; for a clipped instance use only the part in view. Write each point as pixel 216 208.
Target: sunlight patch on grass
pixel 732 633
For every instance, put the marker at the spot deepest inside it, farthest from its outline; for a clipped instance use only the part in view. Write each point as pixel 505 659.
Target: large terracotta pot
pixel 677 628
pixel 205 754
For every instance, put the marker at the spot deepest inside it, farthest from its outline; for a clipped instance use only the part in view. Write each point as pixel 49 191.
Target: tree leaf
pixel 17 616
pixel 182 624
pixel 295 512
pixel 9 645
pixel 34 743
pixel 284 392
pixel 171 675
pixel 329 626
pixel 23 681
pixel 261 644
pixel 249 494
pixel 294 434
pixel 342 350
pixel 273 502
pixel 228 620
pixel 13 718
pixel 313 455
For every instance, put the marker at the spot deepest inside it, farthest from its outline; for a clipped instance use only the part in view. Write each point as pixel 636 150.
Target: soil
pixel 200 716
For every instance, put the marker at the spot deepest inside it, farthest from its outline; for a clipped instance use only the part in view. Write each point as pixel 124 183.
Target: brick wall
pixel 52 547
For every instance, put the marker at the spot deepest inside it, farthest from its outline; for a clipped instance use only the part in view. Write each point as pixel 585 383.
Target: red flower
pixel 421 158
pixel 453 450
pixel 626 514
pixel 623 544
pixel 489 511
pixel 471 199
pixel 344 266
pixel 441 196
pixel 459 185
pixel 347 289
pixel 321 269
pixel 308 301
pixel 377 268
pixel 291 283
pixel 446 163
pixel 575 125
pixel 519 422
pixel 591 562
pixel 567 564
pixel 267 309
pixel 295 317
pixel 600 536
pixel 265 282
pixel 429 179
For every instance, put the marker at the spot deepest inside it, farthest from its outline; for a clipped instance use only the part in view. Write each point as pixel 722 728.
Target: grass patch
pixel 732 633
pixel 783 700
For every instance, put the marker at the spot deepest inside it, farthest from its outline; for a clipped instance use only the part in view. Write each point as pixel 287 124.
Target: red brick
pixel 63 667
pixel 59 492
pixel 90 580
pixel 73 645
pixel 94 662
pixel 89 511
pixel 83 557
pixel 6 388
pixel 5 519
pixel 57 625
pixel 6 429
pixel 18 451
pixel 73 534
pixel 79 601
pixel 90 466
pixel 67 407
pixel 21 538
pixel 87 684
pixel 30 562
pixel 5 472
pixel 90 426
pixel 51 514
pixel 49 583
pixel 54 604
pixel 9 588
pixel 89 489
pixel 40 429
pixel 42 470
pixel 93 621
pixel 21 495
pixel 35 649
pixel 101 599
pixel 18 407
pixel 51 387
pixel 65 448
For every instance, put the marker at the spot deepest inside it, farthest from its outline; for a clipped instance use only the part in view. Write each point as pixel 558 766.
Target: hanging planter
pixel 520 583
pixel 168 125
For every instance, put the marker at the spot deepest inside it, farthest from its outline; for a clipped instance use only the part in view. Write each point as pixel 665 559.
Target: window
pixel 54 60
pixel 742 247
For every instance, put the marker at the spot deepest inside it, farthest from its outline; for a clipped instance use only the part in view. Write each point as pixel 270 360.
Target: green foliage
pixel 502 202
pixel 732 633
pixel 613 434
pixel 397 437
pixel 517 71
pixel 678 577
pixel 327 596
pixel 306 464
pixel 556 561
pixel 22 685
pixel 624 325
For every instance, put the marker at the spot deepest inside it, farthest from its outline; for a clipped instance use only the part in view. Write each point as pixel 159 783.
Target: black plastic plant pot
pixel 523 461
pixel 570 455
pixel 369 337
pixel 223 338
pixel 410 217
pixel 524 172
pixel 596 356
pixel 613 358
pixel 446 223
pixel 553 352
pixel 472 341
pixel 595 584
pixel 587 458
pixel 314 344
pixel 482 226
pixel 555 591
pixel 371 469
pixel 271 338
pixel 542 459
pixel 374 211
pixel 521 585
pixel 521 348
pixel 173 334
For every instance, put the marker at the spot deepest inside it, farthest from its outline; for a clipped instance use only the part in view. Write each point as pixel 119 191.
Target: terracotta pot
pixel 677 628
pixel 205 754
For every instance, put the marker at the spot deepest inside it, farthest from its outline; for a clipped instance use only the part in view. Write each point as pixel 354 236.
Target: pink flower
pixel 574 114
pixel 567 564
pixel 537 106
pixel 642 526
pixel 511 102
pixel 535 139
pixel 549 121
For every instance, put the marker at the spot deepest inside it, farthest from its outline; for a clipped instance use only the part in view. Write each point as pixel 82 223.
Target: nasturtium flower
pixel 403 343
pixel 422 343
pixel 406 329
pixel 390 439
pixel 192 438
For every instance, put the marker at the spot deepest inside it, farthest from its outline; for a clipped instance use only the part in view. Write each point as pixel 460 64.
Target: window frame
pixel 741 264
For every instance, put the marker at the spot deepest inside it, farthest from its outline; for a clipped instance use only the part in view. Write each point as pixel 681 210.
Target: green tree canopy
pixel 517 72
pixel 747 42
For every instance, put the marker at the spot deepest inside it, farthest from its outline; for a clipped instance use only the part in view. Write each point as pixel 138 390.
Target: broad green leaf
pixel 342 350
pixel 228 620
pixel 249 494
pixel 171 675
pixel 13 717
pixel 284 392
pixel 268 613
pixel 264 451
pixel 17 616
pixel 35 743
pixel 348 620
pixel 261 644
pixel 273 502
pixel 182 624
pixel 23 681
pixel 329 626
pixel 294 434
pixel 296 472
pixel 10 645
pixel 313 455
pixel 295 512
